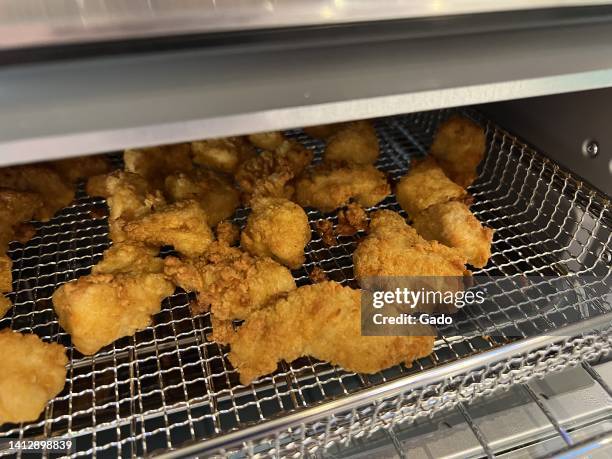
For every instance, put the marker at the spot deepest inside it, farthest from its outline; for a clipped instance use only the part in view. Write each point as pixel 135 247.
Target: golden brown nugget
pixel 229 282
pixel 452 224
pixel 267 140
pixel 393 248
pixel 18 206
pixel 6 275
pixel 53 191
pixel 228 233
pixel 329 186
pixel 424 185
pixel 5 305
pixel 323 131
pixel 155 163
pixel 279 229
pixel 126 289
pixel 216 193
pixel 459 147
pixel 322 321
pixel 82 167
pixel 182 225
pixel 222 155
pixel 32 372
pixel 356 142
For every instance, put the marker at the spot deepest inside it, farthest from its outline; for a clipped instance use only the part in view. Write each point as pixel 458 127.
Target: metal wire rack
pixel 170 390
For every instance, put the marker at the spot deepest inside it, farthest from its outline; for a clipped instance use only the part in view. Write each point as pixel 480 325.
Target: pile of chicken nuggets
pixel 185 195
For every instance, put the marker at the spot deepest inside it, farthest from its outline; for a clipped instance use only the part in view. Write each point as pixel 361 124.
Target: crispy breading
pixel 222 155
pixel 155 163
pixel 352 219
pixel 215 192
pixel 229 282
pixel 277 228
pixel 329 186
pixel 228 233
pixel 322 321
pixel 424 185
pixel 81 167
pixel 182 225
pixel 452 224
pixel 355 142
pixel 5 305
pixel 18 206
pixel 53 191
pixel 459 147
pixel 126 289
pixel 6 275
pixel 267 140
pixel 393 248
pixel 32 372
pixel 323 131
pixel 270 174
pixel 325 228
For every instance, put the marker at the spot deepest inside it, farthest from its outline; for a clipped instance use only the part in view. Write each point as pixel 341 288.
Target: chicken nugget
pixel 267 140
pixel 356 142
pixel 424 185
pixel 393 248
pixel 277 228
pixel 329 186
pixel 127 257
pixel 81 167
pixel 6 275
pixel 214 192
pixel 459 147
pixel 452 224
pixel 228 233
pixel 322 321
pixel 155 163
pixel 323 131
pixel 5 305
pixel 182 225
pixel 229 282
pixel 53 191
pixel 222 155
pixel 32 372
pixel 18 206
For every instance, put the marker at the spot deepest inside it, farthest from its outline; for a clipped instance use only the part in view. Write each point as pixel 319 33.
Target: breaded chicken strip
pixel 329 186
pixel 6 275
pixel 424 185
pixel 459 146
pixel 182 225
pixel 117 300
pixel 53 191
pixel 155 163
pixel 393 248
pixel 452 224
pixel 356 142
pixel 323 131
pixel 229 282
pixel 277 228
pixel 270 174
pixel 81 167
pixel 215 192
pixel 222 155
pixel 5 305
pixel 32 372
pixel 267 140
pixel 322 321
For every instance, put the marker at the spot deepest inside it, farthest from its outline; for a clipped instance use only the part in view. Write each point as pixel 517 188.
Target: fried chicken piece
pixel 459 147
pixel 18 206
pixel 126 289
pixel 5 305
pixel 325 228
pixel 182 225
pixel 270 174
pixel 267 140
pixel 323 131
pixel 155 163
pixel 351 220
pixel 230 282
pixel 228 233
pixel 82 167
pixel 393 248
pixel 6 275
pixel 452 224
pixel 355 142
pixel 53 193
pixel 215 192
pixel 32 372
pixel 222 155
pixel 424 185
pixel 277 228
pixel 329 186
pixel 322 321
pixel 317 275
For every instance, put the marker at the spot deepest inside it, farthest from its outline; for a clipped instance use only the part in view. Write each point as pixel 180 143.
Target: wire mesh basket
pixel 170 390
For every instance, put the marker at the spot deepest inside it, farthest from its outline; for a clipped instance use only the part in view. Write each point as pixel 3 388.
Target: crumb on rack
pixel 352 219
pixel 317 275
pixel 325 228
